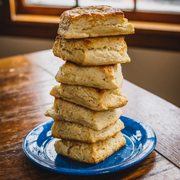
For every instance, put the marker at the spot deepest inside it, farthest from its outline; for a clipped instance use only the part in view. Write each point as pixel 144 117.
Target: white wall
pixel 10 46
pixel 157 71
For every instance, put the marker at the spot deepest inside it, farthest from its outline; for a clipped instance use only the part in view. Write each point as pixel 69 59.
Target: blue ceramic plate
pixel 38 146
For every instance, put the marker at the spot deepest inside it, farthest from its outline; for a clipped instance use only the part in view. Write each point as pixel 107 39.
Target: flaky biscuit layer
pixel 93 21
pixel 92 98
pixel 90 153
pixel 101 77
pixel 92 51
pixel 66 111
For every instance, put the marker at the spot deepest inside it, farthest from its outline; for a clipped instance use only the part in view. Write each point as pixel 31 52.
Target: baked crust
pixel 93 21
pixel 65 111
pixel 92 98
pixel 92 51
pixel 90 153
pixel 73 131
pixel 101 77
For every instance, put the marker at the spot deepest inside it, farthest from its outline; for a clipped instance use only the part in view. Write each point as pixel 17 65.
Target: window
pixel 138 10
pixel 159 5
pixel 148 5
pixel 124 4
pixel 51 2
pixel 156 22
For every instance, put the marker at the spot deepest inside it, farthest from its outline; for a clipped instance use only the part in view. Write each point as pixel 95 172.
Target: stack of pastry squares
pixel 87 103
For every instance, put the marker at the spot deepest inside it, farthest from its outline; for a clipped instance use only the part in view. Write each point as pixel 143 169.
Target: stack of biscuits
pixel 87 103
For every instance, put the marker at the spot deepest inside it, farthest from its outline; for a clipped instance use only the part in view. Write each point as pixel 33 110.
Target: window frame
pixel 23 8
pixel 134 14
pixel 155 34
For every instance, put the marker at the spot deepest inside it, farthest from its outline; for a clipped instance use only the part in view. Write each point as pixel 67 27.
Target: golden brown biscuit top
pixel 92 11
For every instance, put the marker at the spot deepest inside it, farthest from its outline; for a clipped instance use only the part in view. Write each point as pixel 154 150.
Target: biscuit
pixel 101 77
pixel 77 132
pixel 90 153
pixel 92 51
pixel 95 99
pixel 93 21
pixel 97 120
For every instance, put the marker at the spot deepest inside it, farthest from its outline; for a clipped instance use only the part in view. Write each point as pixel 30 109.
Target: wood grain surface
pixel 159 114
pixel 25 83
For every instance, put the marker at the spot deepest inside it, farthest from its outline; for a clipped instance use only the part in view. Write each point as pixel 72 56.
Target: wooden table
pixel 25 83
